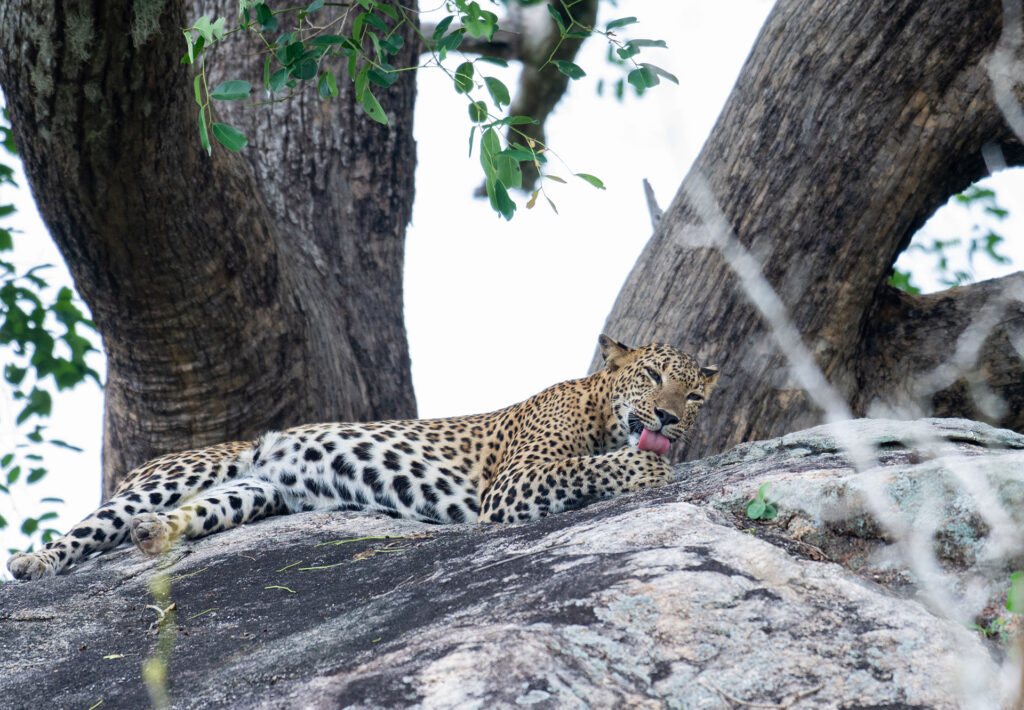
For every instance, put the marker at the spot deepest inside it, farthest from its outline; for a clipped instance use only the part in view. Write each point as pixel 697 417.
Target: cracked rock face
pixel 650 600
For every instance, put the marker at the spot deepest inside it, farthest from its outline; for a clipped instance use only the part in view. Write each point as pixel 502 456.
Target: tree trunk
pixel 849 125
pixel 233 293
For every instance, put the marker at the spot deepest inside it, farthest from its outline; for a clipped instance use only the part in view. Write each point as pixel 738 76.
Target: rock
pixel 649 600
pixel 953 486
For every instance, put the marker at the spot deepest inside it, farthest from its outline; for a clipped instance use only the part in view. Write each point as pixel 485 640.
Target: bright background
pixel 528 298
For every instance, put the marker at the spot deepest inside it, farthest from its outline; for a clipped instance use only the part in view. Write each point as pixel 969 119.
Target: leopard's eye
pixel 695 397
pixel 654 375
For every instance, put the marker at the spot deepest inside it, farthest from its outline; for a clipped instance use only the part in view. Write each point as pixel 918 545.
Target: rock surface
pixel 658 599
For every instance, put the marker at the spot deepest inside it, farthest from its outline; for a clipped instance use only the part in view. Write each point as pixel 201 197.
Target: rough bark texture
pixel 644 601
pixel 234 293
pixel 849 125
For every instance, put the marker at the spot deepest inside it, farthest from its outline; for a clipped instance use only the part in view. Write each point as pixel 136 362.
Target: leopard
pixel 574 443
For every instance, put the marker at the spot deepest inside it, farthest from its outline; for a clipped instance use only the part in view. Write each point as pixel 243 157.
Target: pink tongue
pixel 653 441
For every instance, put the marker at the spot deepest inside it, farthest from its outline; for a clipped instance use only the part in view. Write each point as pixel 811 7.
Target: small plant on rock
pixel 760 508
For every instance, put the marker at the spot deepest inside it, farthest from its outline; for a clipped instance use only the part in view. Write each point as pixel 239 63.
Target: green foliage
pixel 299 49
pixel 44 351
pixel 983 240
pixel 760 508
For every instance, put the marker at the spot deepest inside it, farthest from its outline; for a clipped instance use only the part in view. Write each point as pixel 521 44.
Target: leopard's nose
pixel 666 418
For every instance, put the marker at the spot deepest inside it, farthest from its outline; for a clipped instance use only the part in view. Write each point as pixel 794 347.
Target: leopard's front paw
pixel 653 473
pixel 30 566
pixel 151 533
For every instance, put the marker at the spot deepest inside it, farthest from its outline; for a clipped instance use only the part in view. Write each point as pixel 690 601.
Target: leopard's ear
pixel 614 352
pixel 710 378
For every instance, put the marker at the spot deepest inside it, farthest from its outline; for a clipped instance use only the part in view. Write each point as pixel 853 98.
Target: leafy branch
pixel 306 52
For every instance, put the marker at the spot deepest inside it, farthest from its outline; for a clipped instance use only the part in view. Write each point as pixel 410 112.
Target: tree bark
pixel 849 124
pixel 233 294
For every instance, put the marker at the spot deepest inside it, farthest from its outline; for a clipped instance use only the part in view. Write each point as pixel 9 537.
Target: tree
pixel 232 295
pixel 849 125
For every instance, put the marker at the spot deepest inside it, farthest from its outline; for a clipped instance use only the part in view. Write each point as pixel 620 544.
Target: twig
pixel 732 699
pixel 652 204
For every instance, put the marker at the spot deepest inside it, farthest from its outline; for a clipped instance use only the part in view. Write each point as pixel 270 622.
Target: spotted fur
pixel 570 444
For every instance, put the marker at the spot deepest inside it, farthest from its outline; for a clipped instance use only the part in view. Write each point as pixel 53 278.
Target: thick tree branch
pixel 849 124
pixel 957 353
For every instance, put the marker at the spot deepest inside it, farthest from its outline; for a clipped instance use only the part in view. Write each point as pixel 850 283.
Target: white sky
pixel 528 298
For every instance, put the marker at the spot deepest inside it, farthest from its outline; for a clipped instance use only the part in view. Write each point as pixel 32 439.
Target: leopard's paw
pixel 151 533
pixel 30 566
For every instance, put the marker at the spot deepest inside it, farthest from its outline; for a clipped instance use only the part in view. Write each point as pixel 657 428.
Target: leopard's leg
pixel 103 529
pixel 160 484
pixel 221 507
pixel 530 490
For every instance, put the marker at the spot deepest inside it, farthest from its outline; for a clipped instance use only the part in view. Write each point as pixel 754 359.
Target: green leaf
pixel 392 43
pixel 232 90
pixel 512 121
pixel 278 80
pixel 500 200
pixel 478 112
pixel 770 512
pixel 266 18
pixel 621 22
pixel 647 43
pixel 493 60
pixel 762 491
pixel 385 77
pixel 290 53
pixel 442 27
pixel 373 108
pixel 304 69
pixel 660 72
pixel 12 475
pixel 6 241
pixel 571 70
pixel 557 16
pixel 361 81
pixel 328 85
pixel 3 522
pixel 14 375
pixel 449 43
pixel 499 92
pixel 508 170
pixel 229 137
pixel 203 27
pixel 596 182
pixel 373 21
pixel 555 178
pixel 314 6
pixel 755 509
pixel 29 526
pixel 39 404
pixel 204 137
pixel 34 475
pixel 643 78
pixel 197 85
pixel 6 460
pixel 464 78
pixel 480 23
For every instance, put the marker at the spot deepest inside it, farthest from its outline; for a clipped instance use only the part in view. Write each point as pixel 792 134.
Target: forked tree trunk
pixel 234 293
pixel 850 123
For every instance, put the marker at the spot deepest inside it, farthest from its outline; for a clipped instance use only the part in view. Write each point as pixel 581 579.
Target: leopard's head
pixel 656 391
